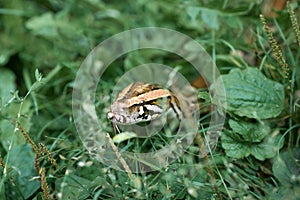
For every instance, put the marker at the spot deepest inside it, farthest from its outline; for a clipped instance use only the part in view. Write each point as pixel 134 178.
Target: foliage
pixel 257 156
pixel 286 170
pixel 248 138
pixel 249 94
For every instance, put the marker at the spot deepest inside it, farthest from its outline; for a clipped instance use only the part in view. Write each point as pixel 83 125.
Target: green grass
pixel 42 45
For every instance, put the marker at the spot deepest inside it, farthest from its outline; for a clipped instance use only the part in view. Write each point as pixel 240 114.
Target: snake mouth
pixel 110 115
pixel 116 118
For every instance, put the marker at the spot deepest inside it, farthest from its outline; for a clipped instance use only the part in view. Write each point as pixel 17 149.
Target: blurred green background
pixel 51 38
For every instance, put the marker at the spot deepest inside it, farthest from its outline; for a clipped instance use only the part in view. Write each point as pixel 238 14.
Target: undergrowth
pixel 42 47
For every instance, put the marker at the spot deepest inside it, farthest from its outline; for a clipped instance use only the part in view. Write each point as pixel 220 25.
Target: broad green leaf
pixel 12 32
pixel 193 12
pixel 267 148
pixel 60 39
pixel 260 150
pixel 250 131
pixel 44 25
pixel 198 15
pixel 249 94
pixel 210 17
pixel 7 84
pixel 124 136
pixel 73 186
pixel 287 171
pixel 7 127
pixel 76 187
pixel 21 160
pixel 285 192
pixel 234 148
pixel 286 167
